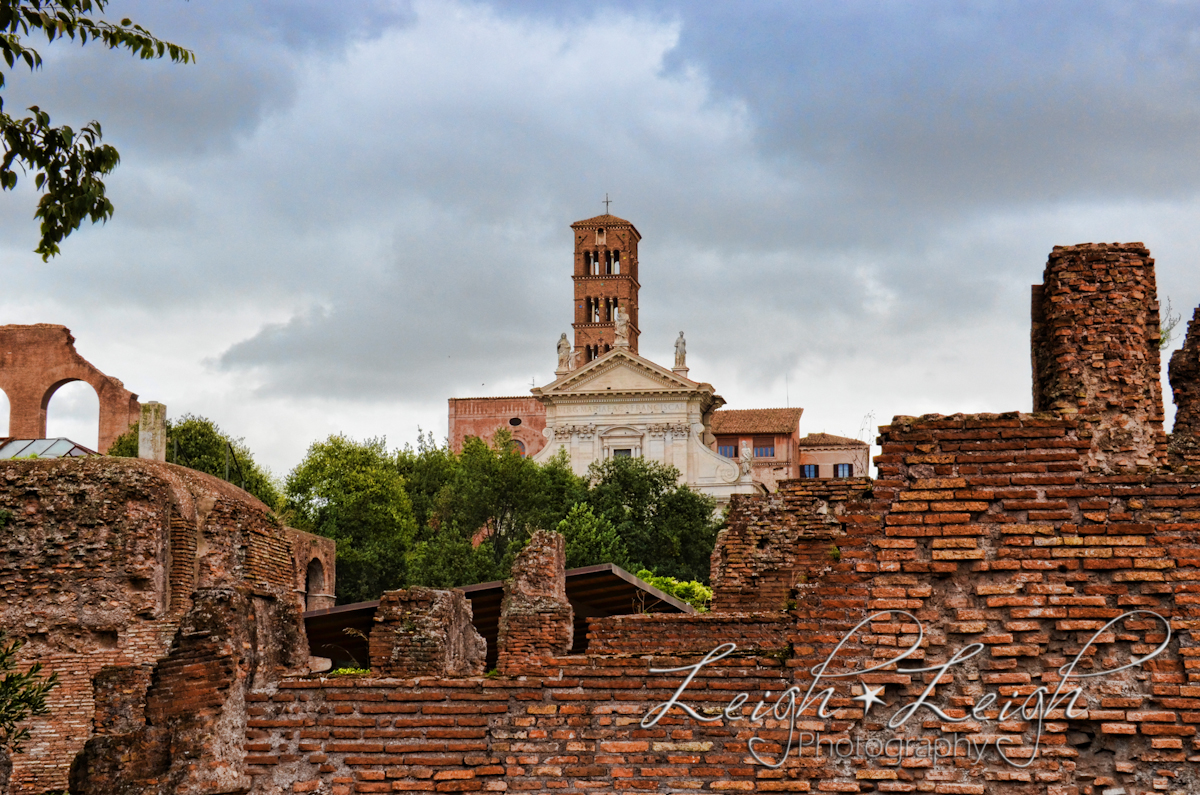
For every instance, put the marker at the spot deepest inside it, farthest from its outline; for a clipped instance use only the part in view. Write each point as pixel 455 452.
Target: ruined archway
pixel 35 361
pixel 73 412
pixel 3 412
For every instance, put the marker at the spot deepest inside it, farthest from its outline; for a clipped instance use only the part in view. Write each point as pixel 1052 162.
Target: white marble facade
pixel 623 404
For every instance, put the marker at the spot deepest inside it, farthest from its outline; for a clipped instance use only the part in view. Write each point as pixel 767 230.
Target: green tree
pixel 665 526
pixel 353 492
pixel 591 539
pixel 22 695
pixel 67 165
pixel 449 558
pixel 504 496
pixel 199 443
pixel 426 470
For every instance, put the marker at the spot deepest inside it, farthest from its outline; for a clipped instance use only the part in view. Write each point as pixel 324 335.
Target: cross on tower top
pixel 607 202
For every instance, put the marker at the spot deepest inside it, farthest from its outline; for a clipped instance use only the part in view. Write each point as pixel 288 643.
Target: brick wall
pixel 1016 537
pixel 1022 539
pixel 1185 385
pixel 774 544
pixel 98 565
pixel 988 529
pixel 482 417
pixel 180 728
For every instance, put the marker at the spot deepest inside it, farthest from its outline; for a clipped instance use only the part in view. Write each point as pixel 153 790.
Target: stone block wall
pixel 426 632
pixel 1095 335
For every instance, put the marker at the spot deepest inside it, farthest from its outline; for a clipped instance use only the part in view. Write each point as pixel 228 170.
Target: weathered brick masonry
pixel 1095 336
pixel 102 561
pixel 1184 373
pixel 1024 534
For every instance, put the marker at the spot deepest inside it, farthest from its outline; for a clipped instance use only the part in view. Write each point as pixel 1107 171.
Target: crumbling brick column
pixel 536 620
pixel 1184 372
pixel 1095 351
pixel 426 632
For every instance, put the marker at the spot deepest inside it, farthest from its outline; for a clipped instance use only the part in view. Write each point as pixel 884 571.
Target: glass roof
pixel 42 448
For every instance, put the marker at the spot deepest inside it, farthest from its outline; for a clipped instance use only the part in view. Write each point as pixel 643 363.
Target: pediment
pixel 619 371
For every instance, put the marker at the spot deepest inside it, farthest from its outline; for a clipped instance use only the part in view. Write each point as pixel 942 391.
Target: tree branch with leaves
pixel 67 166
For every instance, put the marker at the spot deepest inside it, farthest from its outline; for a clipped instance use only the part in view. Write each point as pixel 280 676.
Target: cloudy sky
pixel 346 213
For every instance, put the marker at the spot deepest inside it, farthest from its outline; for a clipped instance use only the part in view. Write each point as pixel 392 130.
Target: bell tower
pixel 606 283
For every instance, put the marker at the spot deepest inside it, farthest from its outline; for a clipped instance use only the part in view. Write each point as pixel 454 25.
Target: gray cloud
pixel 347 215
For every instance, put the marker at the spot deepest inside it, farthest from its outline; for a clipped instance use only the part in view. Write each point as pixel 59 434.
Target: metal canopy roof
pixel 42 448
pixel 593 591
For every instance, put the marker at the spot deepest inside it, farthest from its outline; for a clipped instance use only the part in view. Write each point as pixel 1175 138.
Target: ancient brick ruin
pixel 1184 373
pixel 158 594
pixel 1012 557
pixel 35 361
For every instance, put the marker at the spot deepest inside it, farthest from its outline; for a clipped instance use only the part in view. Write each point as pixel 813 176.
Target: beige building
pixel 622 404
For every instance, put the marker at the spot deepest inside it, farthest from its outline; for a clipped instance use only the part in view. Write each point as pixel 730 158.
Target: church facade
pixel 624 405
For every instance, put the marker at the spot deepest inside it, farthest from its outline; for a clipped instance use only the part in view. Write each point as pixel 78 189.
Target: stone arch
pixel 4 408
pixel 35 361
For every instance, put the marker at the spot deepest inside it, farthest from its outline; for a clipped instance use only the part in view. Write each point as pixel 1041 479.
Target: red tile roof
pixel 756 420
pixel 829 440
pixel 603 220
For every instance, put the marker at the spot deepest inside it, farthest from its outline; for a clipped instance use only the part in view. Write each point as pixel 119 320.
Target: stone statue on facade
pixel 680 352
pixel 574 361
pixel 564 354
pixel 746 460
pixel 622 330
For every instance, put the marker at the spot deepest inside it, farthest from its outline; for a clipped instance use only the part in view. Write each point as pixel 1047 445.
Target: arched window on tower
pixel 608 262
pixel 616 262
